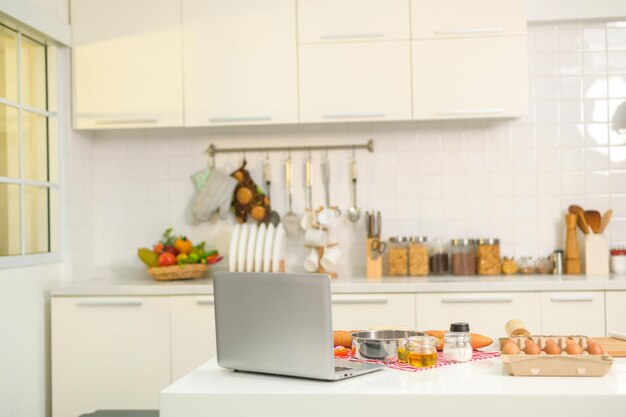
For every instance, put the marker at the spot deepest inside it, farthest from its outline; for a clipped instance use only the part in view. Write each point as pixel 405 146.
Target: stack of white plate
pixel 256 248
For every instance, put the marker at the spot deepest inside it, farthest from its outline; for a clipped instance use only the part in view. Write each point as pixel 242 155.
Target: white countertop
pixel 480 388
pixel 138 282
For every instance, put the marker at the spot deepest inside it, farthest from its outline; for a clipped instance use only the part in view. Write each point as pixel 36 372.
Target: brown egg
pixel 531 348
pixel 573 348
pixel 506 342
pixel 594 349
pixel 510 349
pixel 552 348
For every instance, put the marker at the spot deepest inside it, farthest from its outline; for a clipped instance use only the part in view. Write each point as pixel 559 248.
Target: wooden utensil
pixel 572 254
pixel 582 222
pixel 606 219
pixel 575 209
pixel 593 219
pixel 612 346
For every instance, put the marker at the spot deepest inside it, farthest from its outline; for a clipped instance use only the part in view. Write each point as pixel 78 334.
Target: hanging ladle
pixel 354 213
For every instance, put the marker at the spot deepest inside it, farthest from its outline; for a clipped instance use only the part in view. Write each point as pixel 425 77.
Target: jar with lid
pixel 544 265
pixel 462 257
pixel 457 343
pixel 398 256
pixel 438 261
pixel 422 351
pixel 418 256
pixel 488 257
pixel 526 265
pixel 509 266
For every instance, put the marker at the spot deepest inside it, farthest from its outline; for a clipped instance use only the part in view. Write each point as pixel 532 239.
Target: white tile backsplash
pixel 511 179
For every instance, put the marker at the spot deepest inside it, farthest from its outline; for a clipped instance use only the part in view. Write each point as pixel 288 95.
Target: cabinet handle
pixel 469 111
pixel 362 301
pixel 109 303
pixel 468 31
pixel 336 36
pixel 205 302
pixel 476 300
pixel 353 115
pixel 125 121
pixel 240 119
pixel 568 299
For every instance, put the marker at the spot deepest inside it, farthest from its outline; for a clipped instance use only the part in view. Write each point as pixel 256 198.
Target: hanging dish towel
pixel 215 193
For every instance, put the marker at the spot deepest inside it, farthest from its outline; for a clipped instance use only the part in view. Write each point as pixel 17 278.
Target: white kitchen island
pixel 480 389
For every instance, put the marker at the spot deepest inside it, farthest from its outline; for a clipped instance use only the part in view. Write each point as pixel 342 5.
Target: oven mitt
pixel 216 191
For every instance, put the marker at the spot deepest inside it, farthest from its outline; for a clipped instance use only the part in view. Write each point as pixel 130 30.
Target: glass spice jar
pixel 544 265
pixel 398 256
pixel 462 257
pixel 418 256
pixel 488 257
pixel 526 266
pixel 422 351
pixel 438 260
pixel 509 266
pixel 457 343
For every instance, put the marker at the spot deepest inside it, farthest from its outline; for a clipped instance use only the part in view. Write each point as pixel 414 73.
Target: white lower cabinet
pixel 573 313
pixel 616 311
pixel 109 353
pixel 486 313
pixel 193 333
pixel 373 311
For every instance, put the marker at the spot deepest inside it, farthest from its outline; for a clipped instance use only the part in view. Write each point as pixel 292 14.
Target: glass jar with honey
pixel 422 351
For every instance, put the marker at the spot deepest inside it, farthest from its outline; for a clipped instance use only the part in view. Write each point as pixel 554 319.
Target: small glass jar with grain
pixel 418 256
pixel 463 256
pixel 438 261
pixel 488 257
pixel 398 256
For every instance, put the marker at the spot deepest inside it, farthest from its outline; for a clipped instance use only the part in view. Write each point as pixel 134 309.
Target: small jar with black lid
pixel 457 343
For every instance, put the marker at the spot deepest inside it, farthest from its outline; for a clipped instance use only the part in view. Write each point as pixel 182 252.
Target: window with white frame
pixel 29 152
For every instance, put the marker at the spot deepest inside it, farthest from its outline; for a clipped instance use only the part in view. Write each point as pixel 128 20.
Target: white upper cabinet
pixel 446 18
pixel 127 63
pixel 352 20
pixel 355 81
pixel 470 78
pixel 240 62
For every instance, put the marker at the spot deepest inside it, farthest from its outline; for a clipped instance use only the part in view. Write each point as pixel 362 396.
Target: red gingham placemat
pixel 401 366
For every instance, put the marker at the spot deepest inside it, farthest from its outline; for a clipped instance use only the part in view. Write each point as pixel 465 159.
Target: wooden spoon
pixel 593 219
pixel 606 219
pixel 582 223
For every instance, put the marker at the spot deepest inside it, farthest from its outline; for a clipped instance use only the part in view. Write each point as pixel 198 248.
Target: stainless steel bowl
pixel 379 344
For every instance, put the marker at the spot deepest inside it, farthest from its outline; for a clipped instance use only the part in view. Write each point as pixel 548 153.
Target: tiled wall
pixel 506 179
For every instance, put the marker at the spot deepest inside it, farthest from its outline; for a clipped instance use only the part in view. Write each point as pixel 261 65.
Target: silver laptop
pixel 278 324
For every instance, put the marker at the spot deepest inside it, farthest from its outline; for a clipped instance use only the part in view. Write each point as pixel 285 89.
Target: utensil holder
pixel 596 255
pixel 374 260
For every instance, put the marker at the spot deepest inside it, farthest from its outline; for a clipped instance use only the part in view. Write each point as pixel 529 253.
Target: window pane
pixel 9 219
pixel 9 142
pixel 53 149
pixel 33 74
pixel 36 219
pixel 8 64
pixel 55 220
pixel 34 132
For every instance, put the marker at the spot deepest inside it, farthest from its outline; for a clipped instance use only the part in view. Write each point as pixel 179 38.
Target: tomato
pixel 183 245
pixel 158 248
pixel 167 259
pixel 342 352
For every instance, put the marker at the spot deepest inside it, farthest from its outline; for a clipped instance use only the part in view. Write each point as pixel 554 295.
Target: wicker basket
pixel 174 272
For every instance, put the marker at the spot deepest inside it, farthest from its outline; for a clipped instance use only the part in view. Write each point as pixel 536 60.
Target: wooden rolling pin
pixel 572 254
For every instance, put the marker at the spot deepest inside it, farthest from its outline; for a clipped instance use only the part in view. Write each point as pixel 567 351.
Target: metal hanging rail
pixel 213 150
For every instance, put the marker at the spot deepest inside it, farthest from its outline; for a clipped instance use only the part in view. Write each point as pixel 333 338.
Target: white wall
pixel 506 179
pixel 47 17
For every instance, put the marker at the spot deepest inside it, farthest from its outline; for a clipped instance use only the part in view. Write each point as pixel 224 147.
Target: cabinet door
pixel 350 20
pixel 448 18
pixel 127 64
pixel 193 333
pixel 240 62
pixel 616 311
pixel 565 313
pixel 486 313
pixel 355 82
pixel 109 353
pixel 373 311
pixel 470 78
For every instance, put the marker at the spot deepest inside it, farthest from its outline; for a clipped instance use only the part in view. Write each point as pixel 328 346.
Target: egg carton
pixel 562 364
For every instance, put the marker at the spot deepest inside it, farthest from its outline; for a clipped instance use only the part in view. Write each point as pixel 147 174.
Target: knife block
pixel 374 261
